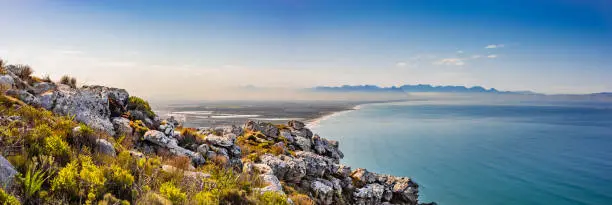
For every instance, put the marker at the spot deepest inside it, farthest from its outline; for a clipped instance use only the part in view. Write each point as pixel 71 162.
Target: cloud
pixel 476 56
pixel 450 61
pixel 492 56
pixel 493 46
pixel 401 64
pixel 460 51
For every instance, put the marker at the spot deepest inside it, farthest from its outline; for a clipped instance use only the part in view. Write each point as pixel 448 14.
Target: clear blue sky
pixel 551 46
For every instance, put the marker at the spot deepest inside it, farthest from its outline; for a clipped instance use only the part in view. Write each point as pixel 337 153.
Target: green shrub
pixel 90 173
pixel 151 198
pixel 38 173
pixel 77 176
pixel 172 192
pixel 7 199
pixel 139 127
pixel 109 199
pixel 35 140
pixel 205 198
pixel 67 179
pixel 57 147
pixel 272 197
pixel 119 181
pixel 136 103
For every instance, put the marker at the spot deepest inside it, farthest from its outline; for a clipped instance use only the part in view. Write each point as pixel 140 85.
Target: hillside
pixel 63 144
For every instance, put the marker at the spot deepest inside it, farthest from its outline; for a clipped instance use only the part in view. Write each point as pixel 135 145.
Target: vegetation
pixel 253 145
pixel 136 103
pixel 7 199
pixel 2 64
pixel 25 71
pixel 70 81
pixel 58 164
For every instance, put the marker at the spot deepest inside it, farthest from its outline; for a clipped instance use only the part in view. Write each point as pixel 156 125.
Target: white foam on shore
pixel 314 123
pixel 276 119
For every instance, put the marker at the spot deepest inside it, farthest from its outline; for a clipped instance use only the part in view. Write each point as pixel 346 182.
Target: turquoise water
pixel 469 154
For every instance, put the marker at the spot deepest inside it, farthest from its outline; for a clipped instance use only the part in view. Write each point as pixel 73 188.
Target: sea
pixel 475 153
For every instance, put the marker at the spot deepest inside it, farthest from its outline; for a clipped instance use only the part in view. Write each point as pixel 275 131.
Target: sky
pixel 192 48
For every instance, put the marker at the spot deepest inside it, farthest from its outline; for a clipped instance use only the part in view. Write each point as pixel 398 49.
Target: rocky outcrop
pixel 315 167
pixel 7 173
pixel 94 106
pixel 306 160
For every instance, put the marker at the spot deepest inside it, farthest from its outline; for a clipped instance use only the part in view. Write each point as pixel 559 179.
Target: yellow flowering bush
pixel 56 146
pixel 66 179
pixel 7 199
pixel 172 192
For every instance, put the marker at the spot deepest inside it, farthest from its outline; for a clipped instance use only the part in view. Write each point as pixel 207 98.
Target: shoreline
pixel 222 114
pixel 313 123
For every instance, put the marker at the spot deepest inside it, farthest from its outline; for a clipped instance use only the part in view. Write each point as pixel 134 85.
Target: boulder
pixel 222 141
pixel 304 132
pixel 122 126
pixel 203 149
pixel 303 143
pixel 284 167
pixel 323 191
pixel 47 100
pixel 341 171
pixel 326 147
pixel 7 81
pixel 89 105
pixel 235 151
pixel 404 190
pixel 40 88
pixel 7 173
pixel 268 129
pixel 24 96
pixel 167 128
pixel 272 182
pixel 159 138
pixel 19 83
pixel 105 147
pixel 287 135
pixel 232 130
pixel 296 124
pixel 370 194
pixel 361 177
pixel 316 165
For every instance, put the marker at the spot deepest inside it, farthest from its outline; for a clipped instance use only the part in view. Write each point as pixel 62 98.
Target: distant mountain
pixel 413 88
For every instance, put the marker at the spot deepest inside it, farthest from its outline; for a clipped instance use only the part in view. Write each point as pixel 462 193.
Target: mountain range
pixel 414 88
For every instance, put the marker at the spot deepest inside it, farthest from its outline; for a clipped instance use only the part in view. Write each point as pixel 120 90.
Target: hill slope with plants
pixel 64 144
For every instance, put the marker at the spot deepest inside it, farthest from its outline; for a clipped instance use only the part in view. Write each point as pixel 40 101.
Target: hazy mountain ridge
pixel 414 88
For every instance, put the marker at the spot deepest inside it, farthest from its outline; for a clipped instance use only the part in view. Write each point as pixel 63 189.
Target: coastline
pixel 312 123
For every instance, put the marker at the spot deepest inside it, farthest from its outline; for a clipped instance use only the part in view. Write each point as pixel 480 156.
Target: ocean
pixel 484 154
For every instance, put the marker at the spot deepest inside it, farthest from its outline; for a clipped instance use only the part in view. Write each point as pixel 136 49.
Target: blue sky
pixel 562 46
